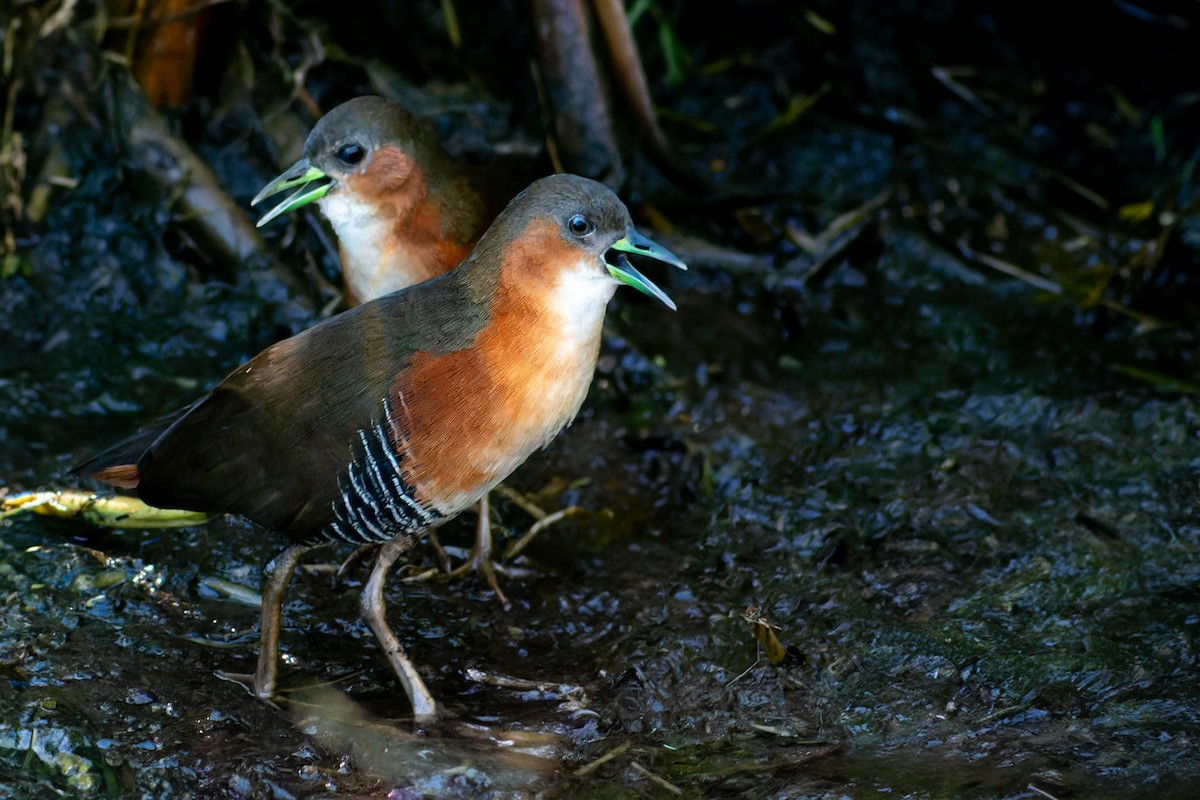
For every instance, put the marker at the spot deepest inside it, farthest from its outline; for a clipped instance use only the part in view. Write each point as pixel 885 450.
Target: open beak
pixel 300 174
pixel 624 272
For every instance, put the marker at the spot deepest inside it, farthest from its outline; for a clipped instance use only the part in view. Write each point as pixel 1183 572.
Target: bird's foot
pixel 480 562
pixel 439 552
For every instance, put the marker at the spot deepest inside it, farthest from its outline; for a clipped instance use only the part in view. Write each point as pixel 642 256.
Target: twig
pixel 947 76
pixel 694 250
pixel 521 501
pixel 1078 188
pixel 631 79
pixel 453 32
pixel 557 690
pixel 819 244
pixel 742 768
pixel 1005 713
pixel 748 669
pixel 587 769
pixel 838 235
pixel 661 781
pixel 1048 285
pixel 59 19
pixel 545 522
pixel 1012 270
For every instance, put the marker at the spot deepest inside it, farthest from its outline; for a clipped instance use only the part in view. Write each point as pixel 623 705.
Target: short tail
pixel 117 466
pixel 122 476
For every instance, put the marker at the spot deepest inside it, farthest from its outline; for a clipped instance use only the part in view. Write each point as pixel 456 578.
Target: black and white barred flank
pixel 375 504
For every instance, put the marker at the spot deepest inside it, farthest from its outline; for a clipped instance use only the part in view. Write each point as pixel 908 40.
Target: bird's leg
pixel 439 552
pixel 481 552
pixel 278 576
pixel 359 553
pixel 374 611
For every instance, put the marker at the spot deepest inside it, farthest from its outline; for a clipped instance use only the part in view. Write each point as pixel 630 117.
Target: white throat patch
pixel 580 297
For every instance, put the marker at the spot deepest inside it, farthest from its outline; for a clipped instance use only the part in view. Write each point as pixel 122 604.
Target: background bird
pixel 404 211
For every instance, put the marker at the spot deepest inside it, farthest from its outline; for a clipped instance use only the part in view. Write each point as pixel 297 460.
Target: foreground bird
pixel 382 423
pixel 403 211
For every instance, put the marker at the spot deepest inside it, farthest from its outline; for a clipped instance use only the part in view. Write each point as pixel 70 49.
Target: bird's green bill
pixel 623 271
pixel 300 174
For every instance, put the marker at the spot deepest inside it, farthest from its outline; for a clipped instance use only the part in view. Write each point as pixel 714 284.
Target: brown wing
pixel 271 440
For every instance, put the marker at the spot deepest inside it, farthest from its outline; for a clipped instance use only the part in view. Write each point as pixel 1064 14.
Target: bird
pixel 381 423
pixel 403 211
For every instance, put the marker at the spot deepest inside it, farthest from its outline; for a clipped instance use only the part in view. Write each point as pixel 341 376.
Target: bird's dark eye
pixel 351 154
pixel 580 225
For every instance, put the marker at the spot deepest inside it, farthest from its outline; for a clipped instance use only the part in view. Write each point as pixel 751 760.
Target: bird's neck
pixel 395 240
pixel 523 378
pixel 544 333
pixel 558 290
